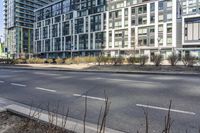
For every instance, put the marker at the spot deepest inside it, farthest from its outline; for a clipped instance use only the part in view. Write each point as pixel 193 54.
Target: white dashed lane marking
pixel 90 97
pixel 44 89
pixel 165 109
pixel 16 84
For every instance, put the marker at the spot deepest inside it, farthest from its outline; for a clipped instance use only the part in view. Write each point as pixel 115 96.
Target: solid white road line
pixel 89 97
pixel 2 81
pixel 44 89
pixel 126 80
pixel 16 84
pixel 166 109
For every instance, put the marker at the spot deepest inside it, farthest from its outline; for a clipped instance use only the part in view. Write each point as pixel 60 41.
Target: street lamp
pixel 72 47
pixel 158 39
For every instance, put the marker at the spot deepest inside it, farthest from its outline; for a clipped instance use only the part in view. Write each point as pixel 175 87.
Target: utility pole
pixel 72 51
pixel 158 39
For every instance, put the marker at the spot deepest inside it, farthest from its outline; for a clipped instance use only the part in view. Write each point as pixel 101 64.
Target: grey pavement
pixel 129 95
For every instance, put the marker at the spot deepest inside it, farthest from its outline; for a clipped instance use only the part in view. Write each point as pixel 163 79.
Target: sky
pixel 1 18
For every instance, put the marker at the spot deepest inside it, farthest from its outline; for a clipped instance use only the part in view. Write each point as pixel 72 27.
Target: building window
pixel 47 22
pixel 142 9
pixel 66 28
pixel 169 4
pixel 37 34
pixel 169 40
pixel 39 24
pixel 39 15
pixel 142 20
pixel 160 28
pixel 133 21
pixel 57 19
pixel 95 23
pixel 91 41
pixel 152 7
pixel 133 10
pixel 160 39
pixel 152 41
pixel 169 16
pixel 68 43
pixel 152 18
pixel 160 5
pixel 47 45
pixel 66 6
pixel 56 9
pixel 57 44
pixel 151 30
pixel 169 28
pixel 83 41
pixel 99 40
pixel 192 29
pixel 54 30
pixel 160 17
pixel 79 25
pixel 142 41
pixel 47 12
pixel 133 37
pixel 45 32
pixel 126 12
pixel 39 46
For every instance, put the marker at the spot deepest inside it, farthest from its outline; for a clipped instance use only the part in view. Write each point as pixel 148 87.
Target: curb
pixel 102 71
pixel 30 112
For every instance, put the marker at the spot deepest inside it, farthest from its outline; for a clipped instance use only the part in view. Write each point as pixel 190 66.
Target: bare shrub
pixel 99 59
pixel 7 61
pixel 168 120
pixel 157 59
pixel 173 59
pixel 20 61
pixel 69 61
pixel 189 60
pixel 59 61
pixel 35 61
pixel 49 61
pixel 131 60
pixel 105 59
pixel 101 124
pixel 89 59
pixel 143 60
pixel 117 60
pixel 85 115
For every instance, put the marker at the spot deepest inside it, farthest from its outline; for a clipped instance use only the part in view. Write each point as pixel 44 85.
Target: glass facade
pixel 19 20
pixel 88 26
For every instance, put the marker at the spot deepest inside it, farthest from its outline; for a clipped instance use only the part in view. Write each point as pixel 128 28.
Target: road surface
pixel 130 95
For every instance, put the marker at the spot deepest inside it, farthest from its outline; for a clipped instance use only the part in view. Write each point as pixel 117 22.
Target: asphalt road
pixel 130 95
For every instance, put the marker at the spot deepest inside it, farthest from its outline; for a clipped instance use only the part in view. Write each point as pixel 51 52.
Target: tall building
pixel 118 27
pixel 190 27
pixel 19 19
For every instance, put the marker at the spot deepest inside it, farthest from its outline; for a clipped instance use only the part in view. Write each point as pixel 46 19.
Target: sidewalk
pixel 94 69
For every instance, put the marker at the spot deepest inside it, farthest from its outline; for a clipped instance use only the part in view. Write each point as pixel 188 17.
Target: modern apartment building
pixel 190 27
pixel 116 27
pixel 19 19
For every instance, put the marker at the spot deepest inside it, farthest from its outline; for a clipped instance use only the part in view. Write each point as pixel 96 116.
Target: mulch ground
pixel 10 123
